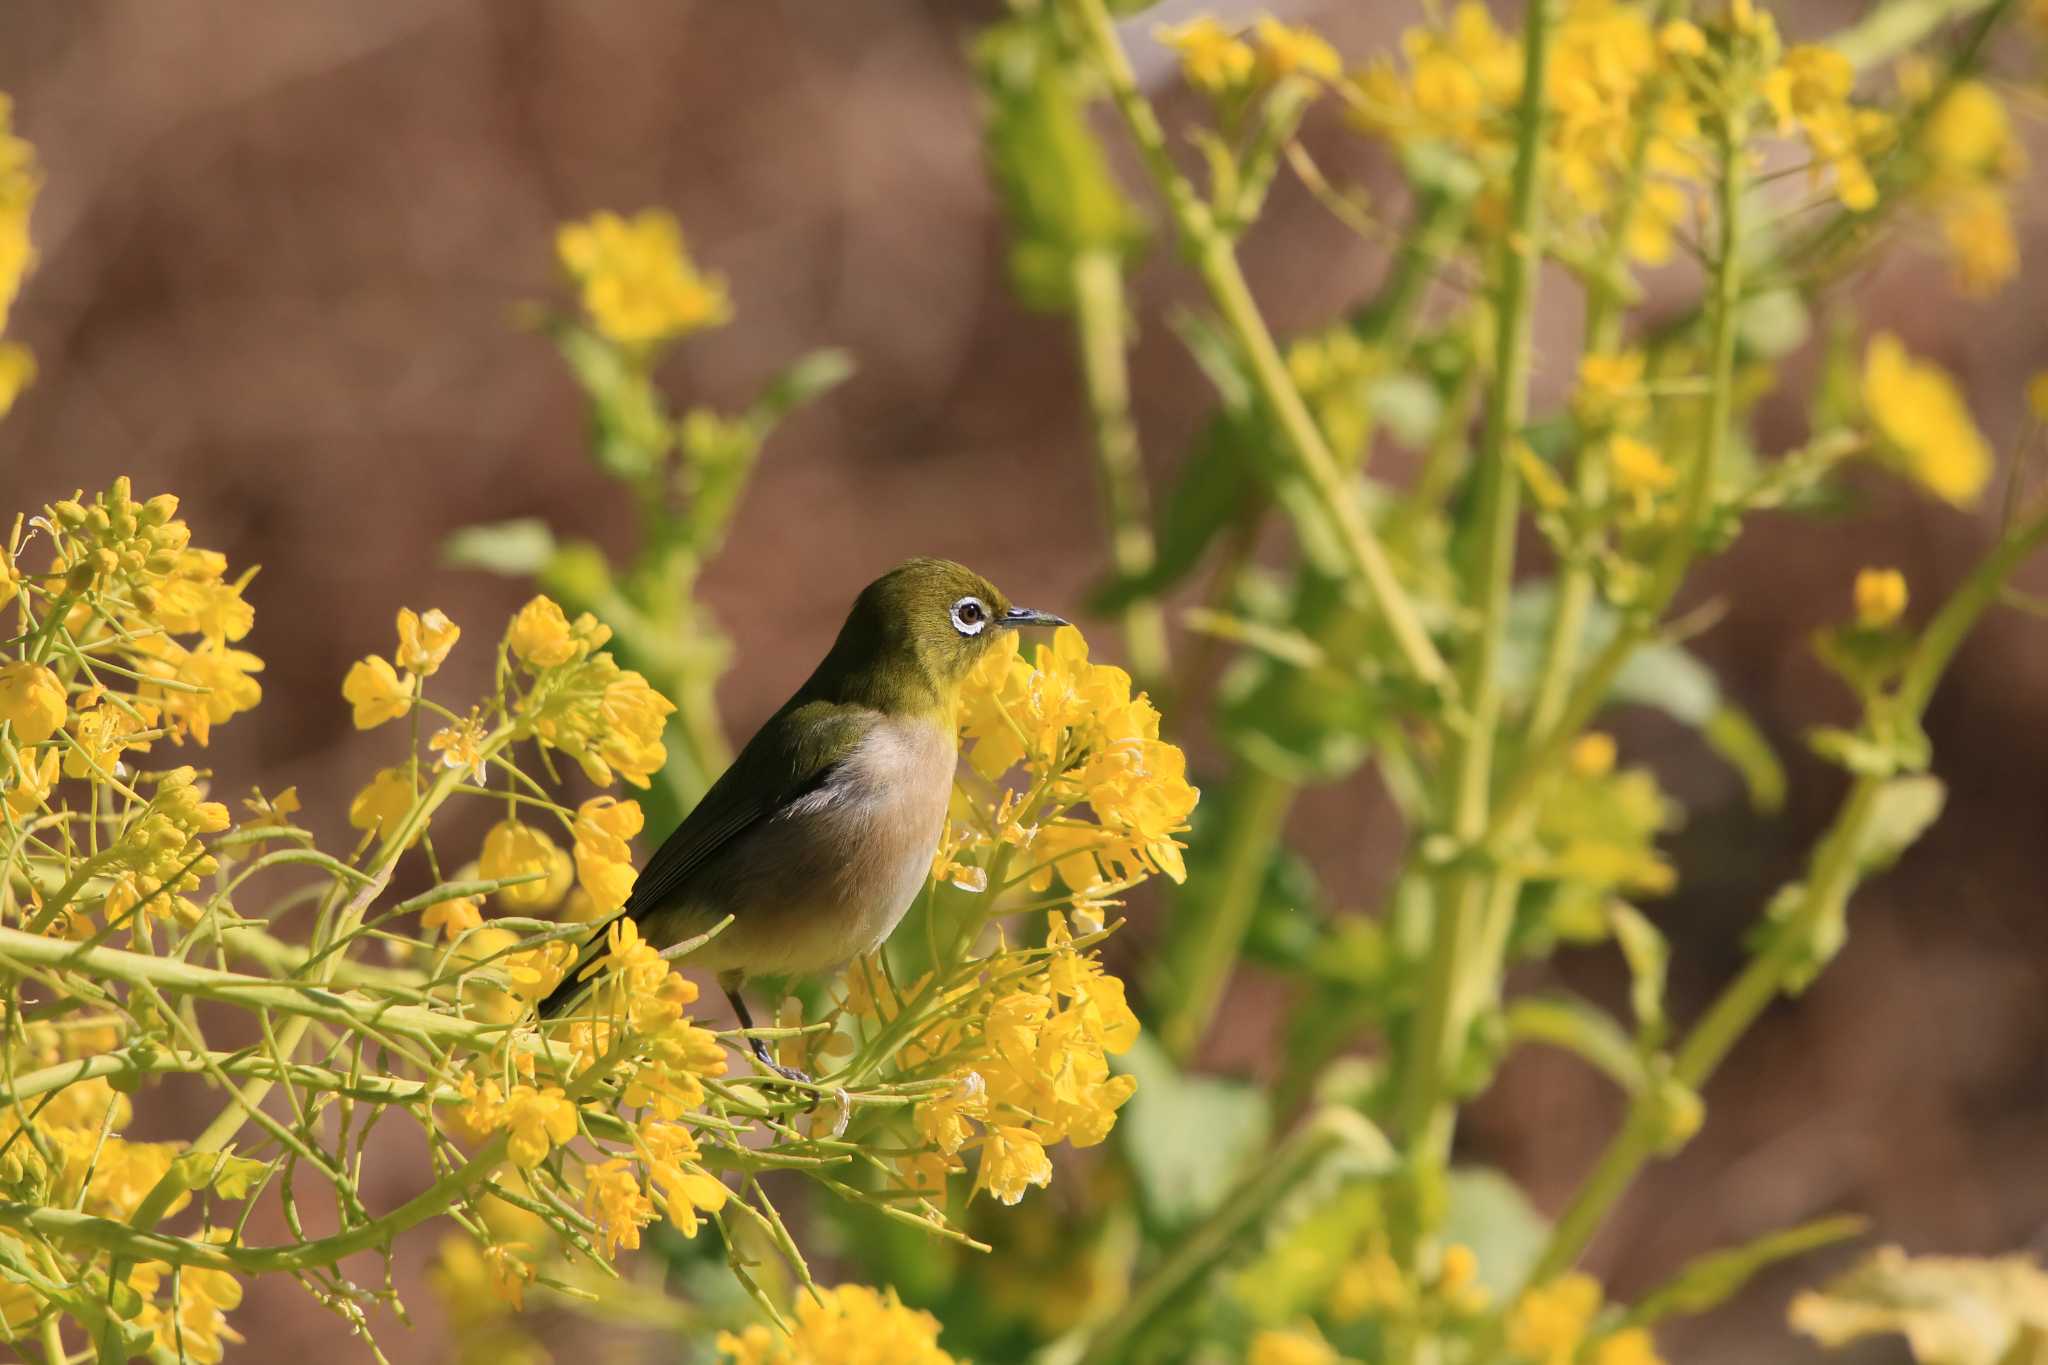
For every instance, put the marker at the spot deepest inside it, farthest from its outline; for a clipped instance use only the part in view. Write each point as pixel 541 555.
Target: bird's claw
pixel 768 1062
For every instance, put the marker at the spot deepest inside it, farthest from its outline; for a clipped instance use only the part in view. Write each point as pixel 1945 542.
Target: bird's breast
pixel 830 876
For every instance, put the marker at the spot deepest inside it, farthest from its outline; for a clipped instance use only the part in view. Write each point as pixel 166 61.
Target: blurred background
pixel 281 248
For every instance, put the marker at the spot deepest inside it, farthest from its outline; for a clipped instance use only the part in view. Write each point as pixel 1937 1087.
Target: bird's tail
pixel 573 983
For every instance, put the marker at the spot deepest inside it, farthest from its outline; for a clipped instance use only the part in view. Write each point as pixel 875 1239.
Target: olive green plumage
pixel 819 836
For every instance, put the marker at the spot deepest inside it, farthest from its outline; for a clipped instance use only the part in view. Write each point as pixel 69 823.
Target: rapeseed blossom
pixel 1929 433
pixel 850 1324
pixel 639 286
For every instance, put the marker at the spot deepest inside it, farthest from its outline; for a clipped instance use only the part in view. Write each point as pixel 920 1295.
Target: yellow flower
pixel 424 641
pixel 461 746
pixel 384 801
pixel 221 674
pixel 103 734
pixel 670 1155
pixel 376 691
pixel 846 1325
pixel 614 1200
pixel 1549 1321
pixel 1592 754
pixel 1637 467
pixel 1976 226
pixel 512 849
pixel 1610 386
pixel 1286 48
pixel 1371 1284
pixel 604 857
pixel 2037 395
pixel 32 701
pixel 32 778
pixel 1921 413
pixel 17 372
pixel 452 917
pixel 538 1120
pixel 20 181
pixel 1682 38
pixel 639 284
pixel 1212 58
pixel 1291 1346
pixel 1810 89
pixel 1880 597
pixel 542 636
pixel 1012 1160
pixel 1969 134
pixel 1630 1346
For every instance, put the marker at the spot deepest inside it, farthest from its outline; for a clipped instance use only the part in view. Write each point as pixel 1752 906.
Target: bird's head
pixel 915 632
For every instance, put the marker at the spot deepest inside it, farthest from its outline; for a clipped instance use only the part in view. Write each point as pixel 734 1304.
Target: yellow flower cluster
pixel 1880 597
pixel 1216 59
pixel 160 854
pixel 1810 90
pixel 638 283
pixel 1085 741
pixel 1928 431
pixel 850 1324
pixel 1973 158
pixel 19 183
pixel 1464 81
pixel 130 582
pixel 609 719
pixel 93 1168
pixel 1291 1346
pixel 380 689
pixel 1550 1323
pixel 194 1325
pixel 1030 1066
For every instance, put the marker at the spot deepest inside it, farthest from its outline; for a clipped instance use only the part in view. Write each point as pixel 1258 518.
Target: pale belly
pixel 831 877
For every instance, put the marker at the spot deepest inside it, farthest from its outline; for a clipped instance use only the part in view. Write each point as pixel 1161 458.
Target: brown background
pixel 280 246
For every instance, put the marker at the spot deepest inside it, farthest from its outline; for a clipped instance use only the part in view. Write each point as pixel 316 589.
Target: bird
pixel 819 836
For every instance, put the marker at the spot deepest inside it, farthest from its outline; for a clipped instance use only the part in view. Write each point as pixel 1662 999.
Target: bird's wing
pixel 792 756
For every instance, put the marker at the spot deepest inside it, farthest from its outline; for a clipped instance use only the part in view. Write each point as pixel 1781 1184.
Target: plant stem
pixel 1427 1112
pixel 1216 263
pixel 1258 810
pixel 1833 878
pixel 1100 335
pixel 1330 1131
pixel 1695 501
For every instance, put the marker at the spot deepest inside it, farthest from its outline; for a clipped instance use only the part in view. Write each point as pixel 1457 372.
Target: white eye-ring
pixel 969 615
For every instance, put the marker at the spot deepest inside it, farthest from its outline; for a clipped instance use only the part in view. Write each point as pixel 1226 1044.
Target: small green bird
pixel 820 835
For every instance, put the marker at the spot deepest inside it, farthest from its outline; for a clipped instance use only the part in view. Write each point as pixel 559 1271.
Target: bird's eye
pixel 969 616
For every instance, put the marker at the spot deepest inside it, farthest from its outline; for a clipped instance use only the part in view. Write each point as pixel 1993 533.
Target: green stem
pixel 1216 263
pixel 1258 810
pixel 1100 335
pixel 1695 501
pixel 1427 1112
pixel 1832 880
pixel 1296 1159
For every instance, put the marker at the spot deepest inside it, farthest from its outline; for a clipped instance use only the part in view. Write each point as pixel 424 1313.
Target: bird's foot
pixel 768 1063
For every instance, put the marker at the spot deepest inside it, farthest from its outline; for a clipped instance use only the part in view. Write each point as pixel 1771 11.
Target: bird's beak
pixel 1024 616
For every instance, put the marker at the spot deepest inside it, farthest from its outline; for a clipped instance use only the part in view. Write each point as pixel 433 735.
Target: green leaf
pixel 1711 1280
pixel 1773 323
pixel 806 380
pixel 1731 733
pixel 1952 1310
pixel 1900 813
pixel 1648 956
pixel 1579 1027
pixel 1059 195
pixel 1489 1213
pixel 1187 1137
pixel 516 549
